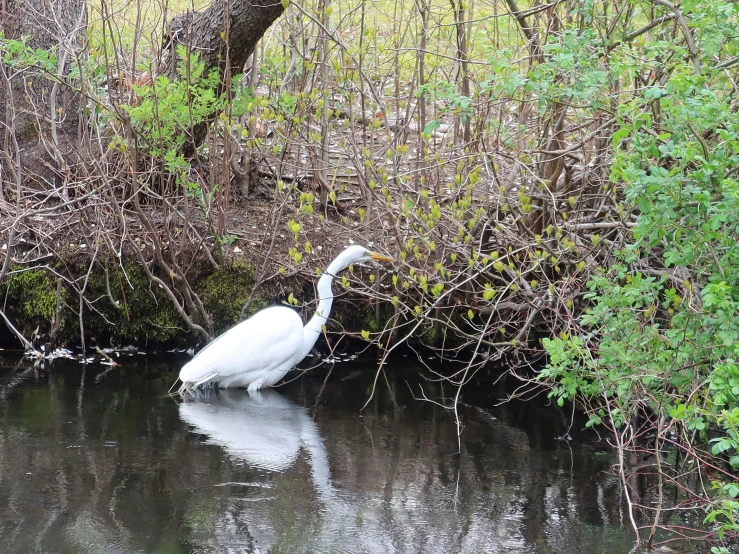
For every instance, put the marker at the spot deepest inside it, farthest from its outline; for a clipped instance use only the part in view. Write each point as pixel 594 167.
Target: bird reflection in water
pixel 263 429
pixel 267 431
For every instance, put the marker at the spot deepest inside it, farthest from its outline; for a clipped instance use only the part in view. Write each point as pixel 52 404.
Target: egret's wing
pixel 268 339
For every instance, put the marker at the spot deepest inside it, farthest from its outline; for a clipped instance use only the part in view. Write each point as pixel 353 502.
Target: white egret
pixel 259 352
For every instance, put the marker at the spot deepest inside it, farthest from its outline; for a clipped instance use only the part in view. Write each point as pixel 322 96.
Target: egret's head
pixel 357 254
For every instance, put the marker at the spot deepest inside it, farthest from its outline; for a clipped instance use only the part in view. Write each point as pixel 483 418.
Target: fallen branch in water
pixel 104 355
pixel 26 343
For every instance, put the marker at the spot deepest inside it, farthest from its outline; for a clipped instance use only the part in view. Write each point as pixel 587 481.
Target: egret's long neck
pixel 314 327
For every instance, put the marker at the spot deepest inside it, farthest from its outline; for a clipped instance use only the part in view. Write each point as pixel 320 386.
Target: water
pixel 106 462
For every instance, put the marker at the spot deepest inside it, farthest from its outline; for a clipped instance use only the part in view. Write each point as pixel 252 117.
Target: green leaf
pixel 488 294
pixel 618 136
pixel 431 126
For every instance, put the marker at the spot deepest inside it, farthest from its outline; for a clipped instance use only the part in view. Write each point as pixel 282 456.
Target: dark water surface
pixel 107 462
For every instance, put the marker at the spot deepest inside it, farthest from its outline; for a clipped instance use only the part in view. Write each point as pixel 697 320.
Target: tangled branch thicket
pixel 491 190
pixel 522 162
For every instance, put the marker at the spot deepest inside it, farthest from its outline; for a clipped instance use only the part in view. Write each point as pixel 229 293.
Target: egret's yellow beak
pixel 380 257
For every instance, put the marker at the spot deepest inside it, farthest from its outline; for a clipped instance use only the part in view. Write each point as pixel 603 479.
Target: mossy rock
pixel 30 299
pixel 225 291
pixel 366 316
pixel 128 309
pixel 142 313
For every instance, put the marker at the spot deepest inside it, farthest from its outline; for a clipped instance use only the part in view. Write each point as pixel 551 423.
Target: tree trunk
pixel 224 36
pixel 40 108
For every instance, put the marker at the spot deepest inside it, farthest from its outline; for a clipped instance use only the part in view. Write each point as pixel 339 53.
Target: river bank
pixel 44 292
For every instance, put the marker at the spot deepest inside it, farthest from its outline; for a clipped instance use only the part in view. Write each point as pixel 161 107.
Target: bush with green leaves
pixel 661 338
pixel 166 112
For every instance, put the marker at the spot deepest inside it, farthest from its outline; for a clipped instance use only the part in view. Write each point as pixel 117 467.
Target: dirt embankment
pixel 55 271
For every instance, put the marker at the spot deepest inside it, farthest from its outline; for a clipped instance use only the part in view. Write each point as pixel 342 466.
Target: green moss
pixel 142 314
pixel 367 316
pixel 432 335
pixel 129 309
pixel 225 291
pixel 31 299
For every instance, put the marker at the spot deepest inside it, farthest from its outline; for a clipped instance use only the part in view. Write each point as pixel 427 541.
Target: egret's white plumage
pixel 251 354
pixel 258 352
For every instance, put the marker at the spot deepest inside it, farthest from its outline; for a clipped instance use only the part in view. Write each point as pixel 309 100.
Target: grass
pixel 386 34
pixel 130 22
